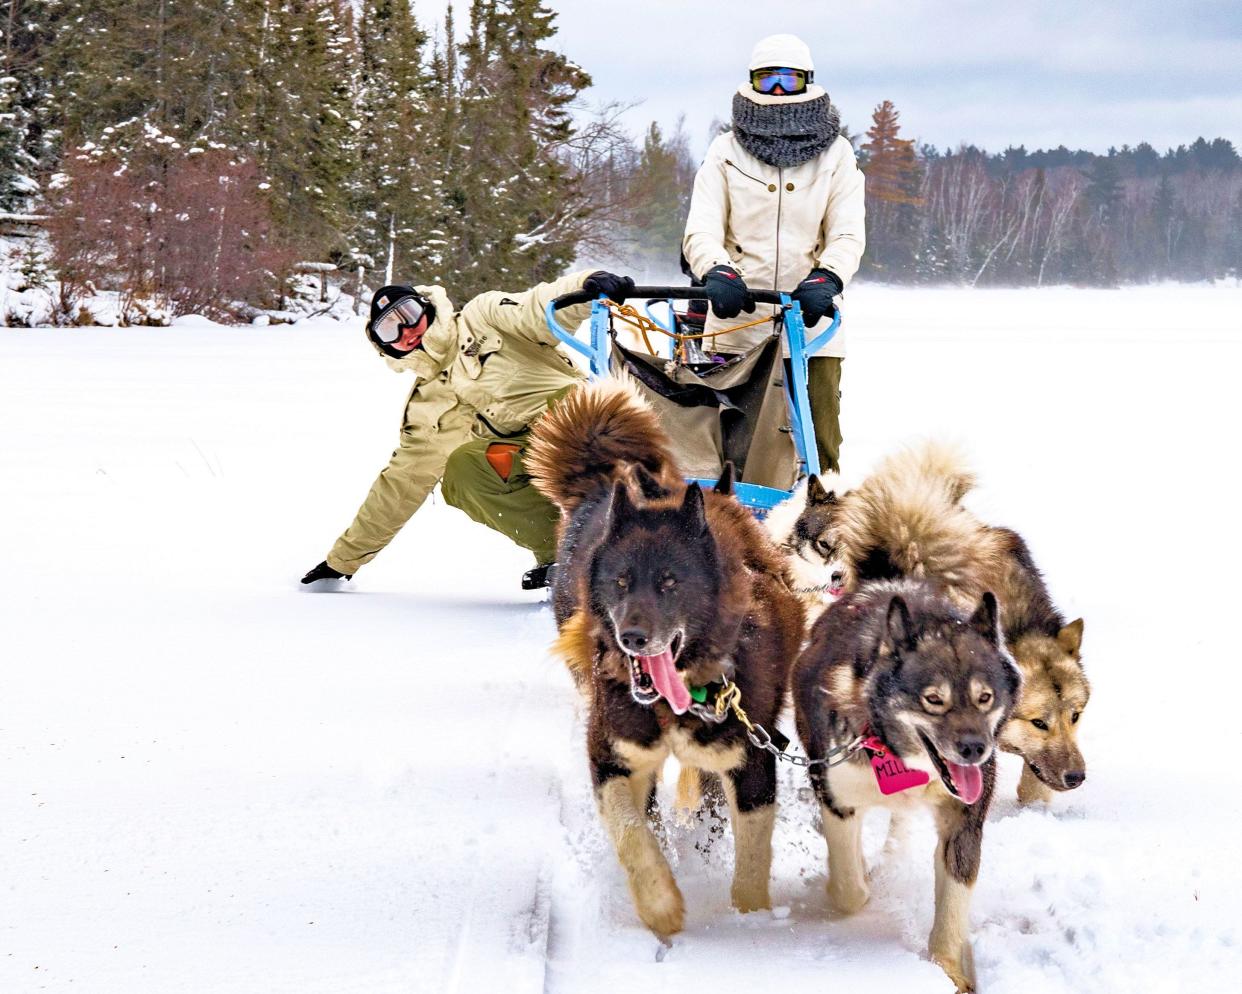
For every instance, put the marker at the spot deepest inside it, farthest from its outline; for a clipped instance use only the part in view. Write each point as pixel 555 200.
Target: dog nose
pixel 1073 778
pixel 634 640
pixel 971 749
pixel 837 578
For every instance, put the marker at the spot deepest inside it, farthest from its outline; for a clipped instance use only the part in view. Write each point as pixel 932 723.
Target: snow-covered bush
pixel 191 236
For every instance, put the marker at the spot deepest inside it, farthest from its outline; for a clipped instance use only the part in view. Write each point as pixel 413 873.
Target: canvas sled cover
pixel 731 412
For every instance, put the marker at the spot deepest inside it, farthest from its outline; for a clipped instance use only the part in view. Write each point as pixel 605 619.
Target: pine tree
pixel 1103 193
pixel 28 112
pixel 893 177
pixel 395 202
pixel 1165 221
pixel 14 187
pixel 1233 241
pixel 306 143
pixel 660 193
pixel 510 195
pixel 889 161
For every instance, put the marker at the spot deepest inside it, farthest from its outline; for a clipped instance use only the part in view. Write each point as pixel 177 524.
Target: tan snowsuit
pixel 484 375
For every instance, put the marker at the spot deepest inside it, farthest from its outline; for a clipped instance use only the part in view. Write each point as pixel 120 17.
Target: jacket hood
pixel 439 343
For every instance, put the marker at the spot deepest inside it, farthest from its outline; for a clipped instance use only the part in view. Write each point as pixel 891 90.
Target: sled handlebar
pixel 661 293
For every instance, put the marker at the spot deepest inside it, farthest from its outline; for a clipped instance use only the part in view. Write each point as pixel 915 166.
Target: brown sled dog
pixel 906 519
pixel 660 590
pixel 928 685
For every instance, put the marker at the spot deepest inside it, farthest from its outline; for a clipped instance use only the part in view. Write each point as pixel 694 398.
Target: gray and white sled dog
pixel 919 688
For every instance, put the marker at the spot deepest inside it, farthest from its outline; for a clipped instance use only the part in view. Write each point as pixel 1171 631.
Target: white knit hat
pixel 781 51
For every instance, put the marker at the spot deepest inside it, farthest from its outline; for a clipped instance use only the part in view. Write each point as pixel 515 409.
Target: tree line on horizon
pixel 195 153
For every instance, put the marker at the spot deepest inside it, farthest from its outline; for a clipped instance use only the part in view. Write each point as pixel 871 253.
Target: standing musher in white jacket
pixel 778 203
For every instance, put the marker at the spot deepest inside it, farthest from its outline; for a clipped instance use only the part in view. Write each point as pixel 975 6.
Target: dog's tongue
pixel 667 680
pixel 968 781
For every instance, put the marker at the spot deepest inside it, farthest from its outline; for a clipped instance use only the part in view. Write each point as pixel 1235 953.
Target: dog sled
pixel 750 409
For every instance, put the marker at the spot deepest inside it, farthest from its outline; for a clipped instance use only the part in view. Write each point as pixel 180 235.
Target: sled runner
pixel 716 408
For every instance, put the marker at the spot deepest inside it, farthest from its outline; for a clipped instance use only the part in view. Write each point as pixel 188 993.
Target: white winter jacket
pixel 775 225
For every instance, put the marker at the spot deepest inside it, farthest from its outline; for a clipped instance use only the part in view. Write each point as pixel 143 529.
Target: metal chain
pixel 760 738
pixel 730 698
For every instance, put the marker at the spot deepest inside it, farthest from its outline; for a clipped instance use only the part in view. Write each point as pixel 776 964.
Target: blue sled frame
pixel 759 499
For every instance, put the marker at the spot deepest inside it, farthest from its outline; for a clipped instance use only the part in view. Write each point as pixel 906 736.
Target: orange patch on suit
pixel 500 458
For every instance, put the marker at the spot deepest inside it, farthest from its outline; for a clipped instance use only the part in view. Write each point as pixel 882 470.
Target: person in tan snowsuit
pixel 482 377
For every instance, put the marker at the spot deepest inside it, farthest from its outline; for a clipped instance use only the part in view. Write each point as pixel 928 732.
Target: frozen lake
pixel 212 781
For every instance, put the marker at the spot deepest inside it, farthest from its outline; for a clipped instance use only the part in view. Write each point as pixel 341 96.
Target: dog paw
pixel 660 904
pixel 751 898
pixel 848 897
pixel 959 964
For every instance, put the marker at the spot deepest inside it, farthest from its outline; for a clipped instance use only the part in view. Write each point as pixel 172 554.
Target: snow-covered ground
pixel 211 781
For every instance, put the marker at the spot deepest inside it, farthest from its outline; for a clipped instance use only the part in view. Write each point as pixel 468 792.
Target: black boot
pixel 539 577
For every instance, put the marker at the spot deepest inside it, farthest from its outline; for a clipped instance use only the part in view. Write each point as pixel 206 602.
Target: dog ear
pixel 816 494
pixel 648 485
pixel 728 475
pixel 692 513
pixel 899 628
pixel 620 509
pixel 1069 638
pixel 986 619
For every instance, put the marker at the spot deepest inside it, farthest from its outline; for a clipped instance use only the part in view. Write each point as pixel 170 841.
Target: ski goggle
pixel 392 321
pixel 789 80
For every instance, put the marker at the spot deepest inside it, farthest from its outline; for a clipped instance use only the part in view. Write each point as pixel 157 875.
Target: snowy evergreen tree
pixel 395 194
pixel 306 122
pixel 508 187
pixel 28 115
pixel 659 194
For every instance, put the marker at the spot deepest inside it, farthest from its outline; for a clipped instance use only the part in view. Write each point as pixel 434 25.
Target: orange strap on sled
pixel 643 324
pixel 500 458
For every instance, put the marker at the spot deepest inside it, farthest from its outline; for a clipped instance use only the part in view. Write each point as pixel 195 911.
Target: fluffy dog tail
pixel 906 519
pixel 594 437
pixel 935 465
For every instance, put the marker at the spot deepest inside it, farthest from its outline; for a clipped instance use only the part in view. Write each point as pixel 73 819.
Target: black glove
pixel 815 294
pixel 325 572
pixel 727 292
pixel 611 286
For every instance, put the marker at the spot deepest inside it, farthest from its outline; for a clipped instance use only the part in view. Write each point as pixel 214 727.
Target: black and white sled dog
pixel 802 527
pixel 918 688
pixel 662 592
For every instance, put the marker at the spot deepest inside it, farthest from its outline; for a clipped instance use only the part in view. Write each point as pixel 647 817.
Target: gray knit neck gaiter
pixel 785 135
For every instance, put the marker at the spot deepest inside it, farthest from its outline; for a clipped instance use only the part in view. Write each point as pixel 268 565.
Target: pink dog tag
pixel 891 774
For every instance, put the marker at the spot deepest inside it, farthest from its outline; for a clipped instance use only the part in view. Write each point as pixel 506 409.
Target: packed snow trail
pixel 214 781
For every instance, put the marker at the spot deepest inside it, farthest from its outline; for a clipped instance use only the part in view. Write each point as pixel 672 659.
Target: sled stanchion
pixel 601 321
pixel 554 326
pixel 825 336
pixel 668 330
pixel 800 404
pixel 597 351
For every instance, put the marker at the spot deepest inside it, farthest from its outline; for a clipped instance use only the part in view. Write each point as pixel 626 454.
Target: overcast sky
pixel 1086 74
